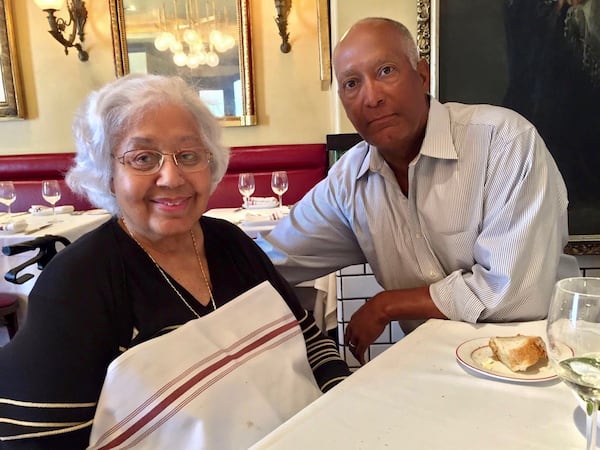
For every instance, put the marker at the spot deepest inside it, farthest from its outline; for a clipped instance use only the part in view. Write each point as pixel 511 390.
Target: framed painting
pixel 540 58
pixel 11 98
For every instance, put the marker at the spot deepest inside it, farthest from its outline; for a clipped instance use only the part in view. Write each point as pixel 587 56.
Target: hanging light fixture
pixel 77 18
pixel 195 41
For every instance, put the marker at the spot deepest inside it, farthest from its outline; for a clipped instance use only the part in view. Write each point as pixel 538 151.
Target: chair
pixel 46 246
pixel 338 144
pixel 9 304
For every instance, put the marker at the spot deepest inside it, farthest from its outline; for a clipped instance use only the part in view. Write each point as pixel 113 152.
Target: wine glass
pixel 279 184
pixel 573 330
pixel 8 195
pixel 51 193
pixel 246 186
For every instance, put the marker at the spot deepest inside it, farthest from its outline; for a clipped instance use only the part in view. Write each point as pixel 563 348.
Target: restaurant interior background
pixel 292 107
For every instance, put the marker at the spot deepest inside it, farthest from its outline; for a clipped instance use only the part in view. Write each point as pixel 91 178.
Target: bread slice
pixel 519 352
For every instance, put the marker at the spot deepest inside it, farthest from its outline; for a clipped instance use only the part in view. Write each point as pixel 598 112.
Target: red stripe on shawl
pixel 150 415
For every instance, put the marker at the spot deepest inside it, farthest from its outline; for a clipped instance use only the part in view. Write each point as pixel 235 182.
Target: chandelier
pixel 195 40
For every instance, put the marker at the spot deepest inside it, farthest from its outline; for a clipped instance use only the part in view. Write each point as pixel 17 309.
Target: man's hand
pixel 371 319
pixel 364 327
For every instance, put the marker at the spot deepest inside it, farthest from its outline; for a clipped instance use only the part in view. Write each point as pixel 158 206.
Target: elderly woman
pixel 98 355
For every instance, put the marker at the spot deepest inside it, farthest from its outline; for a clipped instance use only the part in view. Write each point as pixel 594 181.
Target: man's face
pixel 383 95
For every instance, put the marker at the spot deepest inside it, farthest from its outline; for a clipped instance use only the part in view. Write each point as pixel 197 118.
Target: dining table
pixel 70 225
pixel 439 387
pixel 261 220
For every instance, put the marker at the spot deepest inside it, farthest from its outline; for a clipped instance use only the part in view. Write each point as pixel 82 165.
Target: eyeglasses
pixel 149 162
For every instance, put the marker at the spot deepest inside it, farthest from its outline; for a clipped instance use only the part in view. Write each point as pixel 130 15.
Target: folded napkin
pixel 261 202
pixel 42 210
pixel 13 227
pixel 262 219
pixel 96 212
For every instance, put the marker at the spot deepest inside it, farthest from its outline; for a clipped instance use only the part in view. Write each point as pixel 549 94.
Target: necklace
pixel 164 275
pixel 212 299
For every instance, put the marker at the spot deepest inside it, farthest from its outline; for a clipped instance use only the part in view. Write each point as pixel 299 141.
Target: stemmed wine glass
pixel 8 195
pixel 573 330
pixel 51 193
pixel 246 186
pixel 279 184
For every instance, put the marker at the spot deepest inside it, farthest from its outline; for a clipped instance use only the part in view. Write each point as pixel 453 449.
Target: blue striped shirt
pixel 484 224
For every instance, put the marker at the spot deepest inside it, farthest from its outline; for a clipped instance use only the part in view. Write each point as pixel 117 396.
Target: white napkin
pixel 262 219
pixel 13 227
pixel 261 202
pixel 42 210
pixel 96 212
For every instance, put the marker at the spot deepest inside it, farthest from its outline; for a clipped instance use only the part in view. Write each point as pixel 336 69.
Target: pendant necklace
pixel 164 275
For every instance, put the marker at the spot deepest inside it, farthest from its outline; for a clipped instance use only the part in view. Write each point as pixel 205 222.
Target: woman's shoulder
pixel 88 250
pixel 94 260
pixel 219 227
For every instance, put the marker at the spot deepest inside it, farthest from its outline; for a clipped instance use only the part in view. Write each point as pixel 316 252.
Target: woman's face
pixel 170 201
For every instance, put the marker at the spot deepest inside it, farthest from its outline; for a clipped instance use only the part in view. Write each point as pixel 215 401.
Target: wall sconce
pixel 283 9
pixel 77 18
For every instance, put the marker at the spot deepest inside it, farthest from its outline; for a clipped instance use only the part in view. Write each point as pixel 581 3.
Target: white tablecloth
pixel 67 225
pixel 416 396
pixel 249 220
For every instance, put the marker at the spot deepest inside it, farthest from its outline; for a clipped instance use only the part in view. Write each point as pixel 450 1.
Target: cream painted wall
pixel 54 84
pixel 291 106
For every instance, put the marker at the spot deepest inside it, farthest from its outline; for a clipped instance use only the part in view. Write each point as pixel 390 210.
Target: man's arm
pixel 370 320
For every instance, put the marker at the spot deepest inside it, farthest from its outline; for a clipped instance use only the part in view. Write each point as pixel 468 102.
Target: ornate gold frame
pixel 428 44
pixel 324 43
pixel 11 102
pixel 119 36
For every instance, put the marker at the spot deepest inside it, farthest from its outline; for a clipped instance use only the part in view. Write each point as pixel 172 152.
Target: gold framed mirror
pixel 206 42
pixel 11 97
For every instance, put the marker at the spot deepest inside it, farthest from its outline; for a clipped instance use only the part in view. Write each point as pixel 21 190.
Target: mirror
pixel 11 98
pixel 206 42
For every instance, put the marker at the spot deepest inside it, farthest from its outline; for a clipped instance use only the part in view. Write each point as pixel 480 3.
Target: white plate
pixel 261 206
pixel 96 212
pixel 478 356
pixel 258 223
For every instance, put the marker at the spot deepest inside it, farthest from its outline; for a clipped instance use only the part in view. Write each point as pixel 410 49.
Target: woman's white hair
pixel 107 114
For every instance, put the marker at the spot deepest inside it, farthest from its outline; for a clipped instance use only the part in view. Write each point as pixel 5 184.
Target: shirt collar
pixel 438 137
pixel 437 142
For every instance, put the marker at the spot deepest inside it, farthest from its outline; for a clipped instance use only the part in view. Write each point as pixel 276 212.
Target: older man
pixel 459 209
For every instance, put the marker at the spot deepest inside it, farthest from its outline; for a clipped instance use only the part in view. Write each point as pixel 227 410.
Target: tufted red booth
pixel 306 164
pixel 28 171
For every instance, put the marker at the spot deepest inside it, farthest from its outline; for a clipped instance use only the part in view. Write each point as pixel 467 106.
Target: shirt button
pixel 418 235
pixel 432 274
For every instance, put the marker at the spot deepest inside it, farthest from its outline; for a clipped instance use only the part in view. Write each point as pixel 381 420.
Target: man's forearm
pixel 370 320
pixel 414 303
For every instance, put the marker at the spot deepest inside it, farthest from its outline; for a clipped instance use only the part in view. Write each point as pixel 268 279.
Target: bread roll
pixel 519 352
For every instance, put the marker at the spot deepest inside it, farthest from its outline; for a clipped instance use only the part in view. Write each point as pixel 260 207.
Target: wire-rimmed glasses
pixel 149 162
